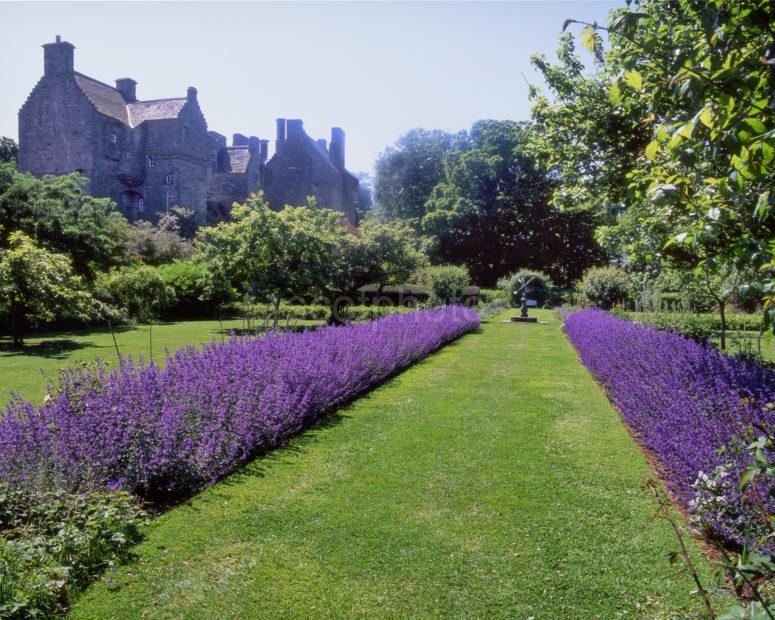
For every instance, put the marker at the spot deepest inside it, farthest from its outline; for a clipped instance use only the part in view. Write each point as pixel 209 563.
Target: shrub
pixel 316 312
pixel 156 245
pixel 604 287
pixel 155 431
pixel 698 327
pixel 446 283
pixel 140 290
pixel 52 544
pixel 684 402
pixel 540 287
pixel 195 292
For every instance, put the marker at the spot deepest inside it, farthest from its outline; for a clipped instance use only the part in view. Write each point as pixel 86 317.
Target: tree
pixel 491 212
pixel 696 78
pixel 36 283
pixel 57 215
pixel 407 172
pixel 280 255
pixel 9 150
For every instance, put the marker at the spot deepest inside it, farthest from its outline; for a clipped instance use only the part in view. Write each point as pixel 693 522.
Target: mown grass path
pixel 492 479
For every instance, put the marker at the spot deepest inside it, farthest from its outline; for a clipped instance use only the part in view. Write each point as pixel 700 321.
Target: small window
pixel 167 179
pixel 151 160
pixel 113 138
pixel 140 205
pixel 128 156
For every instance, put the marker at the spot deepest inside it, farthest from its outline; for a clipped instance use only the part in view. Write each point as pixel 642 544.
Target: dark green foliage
pixel 604 287
pixel 141 291
pixel 537 284
pixel 260 313
pixel 446 283
pixel 55 213
pixel 53 544
pixel 9 150
pixel 699 327
pixel 407 172
pixel 197 292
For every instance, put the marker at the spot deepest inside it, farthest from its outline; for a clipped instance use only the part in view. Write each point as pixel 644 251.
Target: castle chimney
pixel 280 134
pixel 264 151
pixel 128 89
pixel 336 149
pixel 58 58
pixel 295 127
pixel 239 140
pixel 191 93
pixel 323 144
pixel 254 144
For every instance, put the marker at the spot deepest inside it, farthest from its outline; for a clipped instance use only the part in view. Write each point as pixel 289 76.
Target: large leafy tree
pixel 59 216
pixel 38 284
pixel 697 78
pixel 407 172
pixel 491 211
pixel 278 255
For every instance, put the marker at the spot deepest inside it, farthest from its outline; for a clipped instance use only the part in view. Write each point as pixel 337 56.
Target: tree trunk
pixel 722 315
pixel 276 310
pixel 17 323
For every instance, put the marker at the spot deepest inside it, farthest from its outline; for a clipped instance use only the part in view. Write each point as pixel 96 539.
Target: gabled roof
pixel 106 99
pixel 160 109
pixel 110 102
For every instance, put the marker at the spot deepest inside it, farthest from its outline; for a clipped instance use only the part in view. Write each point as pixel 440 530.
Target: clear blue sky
pixel 375 69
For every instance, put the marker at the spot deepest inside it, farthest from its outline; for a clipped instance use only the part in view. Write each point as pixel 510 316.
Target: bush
pixel 155 245
pixel 446 283
pixel 604 287
pixel 176 427
pixel 314 312
pixel 195 292
pixel 698 327
pixel 685 402
pixel 54 543
pixel 141 291
pixel 540 287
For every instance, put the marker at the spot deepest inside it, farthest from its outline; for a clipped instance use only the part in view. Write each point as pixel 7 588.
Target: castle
pixel 151 155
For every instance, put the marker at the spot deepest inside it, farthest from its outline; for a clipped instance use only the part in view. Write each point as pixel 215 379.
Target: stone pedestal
pixel 524 319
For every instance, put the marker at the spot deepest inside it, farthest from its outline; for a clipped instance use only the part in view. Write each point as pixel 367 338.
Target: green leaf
pixel 652 149
pixel 633 79
pixel 762 205
pixel 615 94
pixel 706 117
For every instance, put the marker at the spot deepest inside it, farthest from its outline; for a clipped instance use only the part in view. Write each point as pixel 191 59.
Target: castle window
pixel 140 205
pixel 128 156
pixel 113 138
pixel 151 160
pixel 167 179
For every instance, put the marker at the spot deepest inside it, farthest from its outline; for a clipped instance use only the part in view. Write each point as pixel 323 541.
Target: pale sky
pixel 377 69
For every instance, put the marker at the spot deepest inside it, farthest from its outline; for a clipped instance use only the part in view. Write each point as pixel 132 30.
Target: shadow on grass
pixel 52 349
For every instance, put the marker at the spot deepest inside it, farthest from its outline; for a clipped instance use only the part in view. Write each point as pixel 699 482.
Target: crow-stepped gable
pixel 151 155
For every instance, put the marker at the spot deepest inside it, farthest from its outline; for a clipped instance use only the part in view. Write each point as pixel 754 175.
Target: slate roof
pixel 157 110
pixel 110 102
pixel 239 158
pixel 106 99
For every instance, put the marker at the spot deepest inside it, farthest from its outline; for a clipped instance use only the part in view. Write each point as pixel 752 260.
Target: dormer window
pixel 151 161
pixel 113 138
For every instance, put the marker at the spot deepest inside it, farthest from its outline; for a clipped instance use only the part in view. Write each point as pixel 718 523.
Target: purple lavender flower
pixel 683 401
pixel 154 430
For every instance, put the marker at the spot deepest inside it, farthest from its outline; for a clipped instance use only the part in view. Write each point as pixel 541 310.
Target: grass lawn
pixel 20 371
pixel 492 479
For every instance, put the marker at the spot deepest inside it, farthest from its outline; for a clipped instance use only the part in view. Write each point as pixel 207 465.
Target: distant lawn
pixel 492 479
pixel 49 351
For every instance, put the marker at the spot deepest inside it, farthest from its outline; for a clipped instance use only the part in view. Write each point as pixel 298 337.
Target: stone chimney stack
pixel 336 148
pixel 191 94
pixel 58 57
pixel 294 127
pixel 323 144
pixel 254 144
pixel 264 151
pixel 278 145
pixel 128 89
pixel 239 139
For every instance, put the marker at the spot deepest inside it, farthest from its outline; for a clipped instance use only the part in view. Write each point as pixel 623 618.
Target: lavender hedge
pixel 154 430
pixel 684 401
